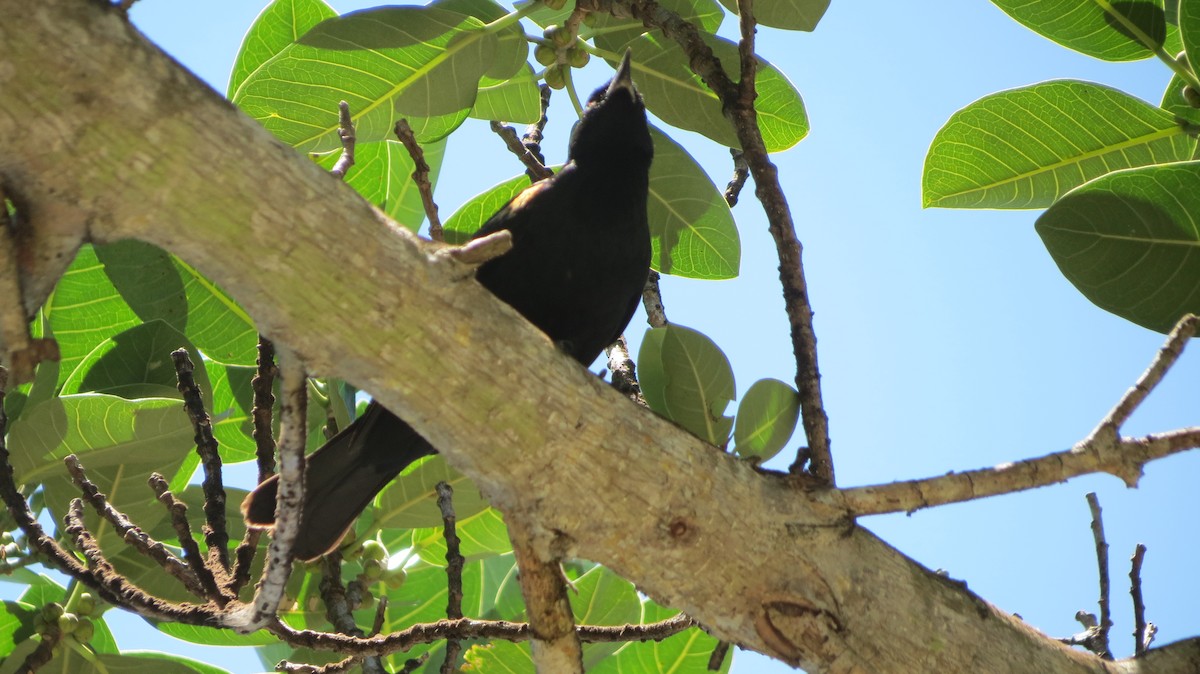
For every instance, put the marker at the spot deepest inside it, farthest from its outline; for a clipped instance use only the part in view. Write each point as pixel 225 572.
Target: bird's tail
pixel 341 478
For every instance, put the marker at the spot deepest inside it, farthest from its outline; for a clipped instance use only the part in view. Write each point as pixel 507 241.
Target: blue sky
pixel 948 339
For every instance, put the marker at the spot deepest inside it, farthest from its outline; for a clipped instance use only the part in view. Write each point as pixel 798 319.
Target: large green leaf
pixel 687 379
pixel 382 174
pixel 1174 103
pixel 787 14
pixel 692 233
pixel 281 23
pixel 480 535
pixel 1125 30
pixel 410 501
pixel 1026 147
pixel 603 598
pixel 512 49
pixel 1189 28
pixel 515 99
pixel 113 287
pixel 1130 242
pixel 684 653
pixel 422 63
pixel 680 98
pixel 137 363
pixel 766 419
pixel 119 442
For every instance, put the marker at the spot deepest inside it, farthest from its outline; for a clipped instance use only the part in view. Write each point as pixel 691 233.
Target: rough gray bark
pixel 103 137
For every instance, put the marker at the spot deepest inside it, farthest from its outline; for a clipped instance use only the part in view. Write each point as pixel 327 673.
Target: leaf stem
pixel 571 90
pixel 510 18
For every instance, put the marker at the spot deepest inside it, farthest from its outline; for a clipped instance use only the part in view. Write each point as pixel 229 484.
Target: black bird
pixel 580 255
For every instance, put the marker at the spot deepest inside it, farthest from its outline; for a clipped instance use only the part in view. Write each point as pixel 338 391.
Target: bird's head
pixel 613 129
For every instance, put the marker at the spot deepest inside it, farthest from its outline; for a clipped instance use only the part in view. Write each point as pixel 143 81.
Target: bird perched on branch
pixel 580 255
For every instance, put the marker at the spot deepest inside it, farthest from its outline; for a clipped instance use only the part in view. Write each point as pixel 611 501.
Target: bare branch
pixel 1099 645
pixel 289 500
pixel 197 564
pixel 478 251
pixel 1140 642
pixel 741 171
pixel 533 166
pixel 624 372
pixel 215 535
pixel 656 313
pixel 555 646
pixel 134 536
pixel 454 570
pixel 420 176
pixel 346 134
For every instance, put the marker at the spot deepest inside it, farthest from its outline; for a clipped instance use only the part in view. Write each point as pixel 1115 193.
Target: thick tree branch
pixel 546 440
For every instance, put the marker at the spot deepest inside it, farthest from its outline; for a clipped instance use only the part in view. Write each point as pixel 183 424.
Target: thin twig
pixel 534 133
pixel 718 656
pixel 133 535
pixel 454 570
pixel 624 372
pixel 346 134
pixel 215 535
pixel 741 171
pixel 1139 607
pixel 331 668
pixel 533 167
pixel 289 499
pixel 1178 338
pixel 469 628
pixel 338 609
pixel 1100 646
pixel 420 176
pixel 769 191
pixel 480 250
pixel 412 664
pixel 183 531
pixel 656 313
pixel 44 653
pixel 263 385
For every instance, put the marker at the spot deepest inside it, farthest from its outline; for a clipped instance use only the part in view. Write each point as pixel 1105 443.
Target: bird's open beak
pixel 623 79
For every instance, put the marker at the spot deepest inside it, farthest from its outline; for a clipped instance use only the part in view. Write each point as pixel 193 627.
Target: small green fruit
pixel 373 551
pixel 52 611
pixel 555 78
pixel 1191 96
pixel 86 604
pixel 84 631
pixel 545 55
pixel 577 57
pixel 372 570
pixel 560 36
pixel 554 4
pixel 67 623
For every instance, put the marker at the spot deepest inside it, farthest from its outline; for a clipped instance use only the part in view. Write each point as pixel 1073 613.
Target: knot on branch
pixel 796 632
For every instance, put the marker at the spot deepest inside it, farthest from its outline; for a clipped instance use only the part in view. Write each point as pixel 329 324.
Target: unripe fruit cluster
pixel 75 624
pixel 562 49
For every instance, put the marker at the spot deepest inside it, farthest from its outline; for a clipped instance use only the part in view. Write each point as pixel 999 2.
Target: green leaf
pixel 603 598
pixel 500 657
pixel 16 625
pixel 684 653
pixel 119 442
pixel 382 174
pixel 481 535
pixel 281 23
pixel 680 98
pixel 786 14
pixel 766 419
pixel 1174 103
pixel 215 636
pixel 410 501
pixel 687 379
pixel 1129 242
pixel 1114 31
pixel 692 233
pixel 1189 28
pixel 512 49
pixel 137 363
pixel 516 99
pixel 422 63
pixel 1026 147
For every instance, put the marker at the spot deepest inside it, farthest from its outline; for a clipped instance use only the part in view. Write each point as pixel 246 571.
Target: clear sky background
pixel 948 339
